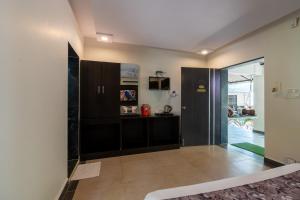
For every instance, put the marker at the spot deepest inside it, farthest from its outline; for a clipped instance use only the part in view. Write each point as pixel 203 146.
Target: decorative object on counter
pixel 167 109
pixel 145 110
pixel 129 110
pixel 165 112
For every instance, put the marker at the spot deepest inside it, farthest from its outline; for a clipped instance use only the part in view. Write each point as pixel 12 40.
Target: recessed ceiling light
pixel 104 37
pixel 204 52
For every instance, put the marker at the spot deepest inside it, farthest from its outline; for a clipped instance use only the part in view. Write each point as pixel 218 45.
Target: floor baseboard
pixel 69 190
pixel 62 189
pixel 76 165
pixel 272 163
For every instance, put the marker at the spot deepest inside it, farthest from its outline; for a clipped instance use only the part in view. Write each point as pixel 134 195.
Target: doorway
pixel 73 109
pixel 245 106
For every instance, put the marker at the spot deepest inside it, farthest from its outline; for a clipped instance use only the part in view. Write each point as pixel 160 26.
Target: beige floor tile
pixel 137 189
pixel 135 169
pixel 132 177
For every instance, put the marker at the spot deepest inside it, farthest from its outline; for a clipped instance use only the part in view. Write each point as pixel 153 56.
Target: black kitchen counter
pixel 137 116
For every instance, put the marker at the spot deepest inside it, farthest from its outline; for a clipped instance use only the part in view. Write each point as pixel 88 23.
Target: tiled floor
pixel 238 135
pixel 132 177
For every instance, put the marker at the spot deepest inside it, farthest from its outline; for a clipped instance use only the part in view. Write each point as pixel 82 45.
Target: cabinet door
pixel 110 99
pixel 90 89
pixel 99 137
pixel 163 131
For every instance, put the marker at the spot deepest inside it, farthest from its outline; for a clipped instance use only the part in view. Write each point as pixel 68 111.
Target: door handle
pixel 183 107
pixel 98 89
pixel 102 89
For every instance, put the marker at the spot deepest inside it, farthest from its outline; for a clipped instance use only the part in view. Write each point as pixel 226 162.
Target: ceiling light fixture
pixel 204 52
pixel 104 37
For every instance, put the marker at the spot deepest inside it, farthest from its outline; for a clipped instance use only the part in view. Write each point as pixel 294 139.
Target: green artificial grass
pixel 251 147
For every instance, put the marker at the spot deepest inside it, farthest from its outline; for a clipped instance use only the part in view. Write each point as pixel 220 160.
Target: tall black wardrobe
pixel 99 110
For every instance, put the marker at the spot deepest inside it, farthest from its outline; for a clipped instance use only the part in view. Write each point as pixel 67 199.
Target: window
pixel 232 101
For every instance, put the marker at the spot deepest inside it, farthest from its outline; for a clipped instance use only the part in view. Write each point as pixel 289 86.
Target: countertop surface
pixel 129 116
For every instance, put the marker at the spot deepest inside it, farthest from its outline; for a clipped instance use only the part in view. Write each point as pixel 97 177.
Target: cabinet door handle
pixel 102 89
pixel 98 89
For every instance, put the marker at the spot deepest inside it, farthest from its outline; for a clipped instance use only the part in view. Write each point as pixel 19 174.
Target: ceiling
pixel 186 25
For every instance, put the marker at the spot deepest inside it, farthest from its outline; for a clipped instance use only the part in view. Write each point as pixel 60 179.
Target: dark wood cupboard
pixel 99 90
pixel 99 107
pixel 163 130
pixel 133 135
pixel 99 136
pixel 103 132
pixel 134 132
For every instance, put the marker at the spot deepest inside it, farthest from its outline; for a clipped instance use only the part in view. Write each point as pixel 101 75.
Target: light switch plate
pixel 293 93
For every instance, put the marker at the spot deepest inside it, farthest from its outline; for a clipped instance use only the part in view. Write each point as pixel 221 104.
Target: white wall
pixel 280 45
pixel 259 99
pixel 33 103
pixel 149 60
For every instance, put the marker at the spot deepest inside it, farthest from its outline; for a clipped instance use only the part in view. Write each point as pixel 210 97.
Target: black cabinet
pixel 99 136
pixel 134 132
pixel 99 90
pixel 144 134
pixel 163 131
pixel 99 107
pixel 132 135
pixel 110 104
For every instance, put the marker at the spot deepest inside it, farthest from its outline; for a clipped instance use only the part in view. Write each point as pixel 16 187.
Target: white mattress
pixel 221 184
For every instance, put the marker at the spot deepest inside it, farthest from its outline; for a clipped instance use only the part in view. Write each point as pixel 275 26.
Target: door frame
pixel 223 133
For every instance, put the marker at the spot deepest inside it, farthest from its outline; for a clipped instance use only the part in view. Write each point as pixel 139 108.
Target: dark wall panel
pixel 224 104
pixel 73 108
pixel 215 105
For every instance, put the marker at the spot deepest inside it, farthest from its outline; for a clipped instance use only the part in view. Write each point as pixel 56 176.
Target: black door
pixel 110 88
pixel 195 106
pixel 90 89
pixel 100 88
